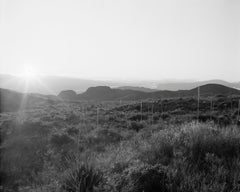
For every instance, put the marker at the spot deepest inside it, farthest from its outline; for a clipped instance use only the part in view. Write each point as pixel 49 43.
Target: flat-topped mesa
pixel 98 93
pixel 68 95
pixel 99 90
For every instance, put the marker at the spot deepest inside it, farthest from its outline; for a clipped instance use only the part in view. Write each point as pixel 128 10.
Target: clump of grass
pixel 195 157
pixel 145 178
pixel 81 177
pixel 137 126
pixel 196 141
pixel 158 148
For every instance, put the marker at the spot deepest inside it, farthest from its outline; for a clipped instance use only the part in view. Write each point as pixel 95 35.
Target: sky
pixel 121 39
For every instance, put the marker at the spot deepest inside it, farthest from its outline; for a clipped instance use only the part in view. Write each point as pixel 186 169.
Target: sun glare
pixel 29 73
pixel 30 78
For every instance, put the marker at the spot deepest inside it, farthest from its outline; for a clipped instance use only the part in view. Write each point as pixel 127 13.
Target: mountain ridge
pixel 106 93
pixel 174 86
pixel 54 84
pixel 11 101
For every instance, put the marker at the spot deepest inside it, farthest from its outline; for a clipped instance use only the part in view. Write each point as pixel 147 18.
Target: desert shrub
pixel 136 125
pixel 200 157
pixel 138 117
pixel 165 115
pixel 103 136
pixel 73 119
pixel 118 167
pixel 159 149
pixel 205 118
pixel 116 158
pixel 112 118
pixel 156 117
pixel 145 178
pixel 109 135
pixel 238 122
pixel 99 139
pixel 224 120
pixel 59 140
pixel 81 178
pixel 216 178
pixel 72 131
pixel 198 140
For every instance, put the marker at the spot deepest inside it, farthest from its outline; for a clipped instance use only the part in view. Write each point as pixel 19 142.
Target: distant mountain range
pixel 50 84
pixel 13 101
pixel 102 93
pixel 54 84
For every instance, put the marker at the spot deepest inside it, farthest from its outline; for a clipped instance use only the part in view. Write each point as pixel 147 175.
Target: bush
pixel 138 117
pixel 198 140
pixel 145 178
pixel 156 117
pixel 159 149
pixel 165 115
pixel 73 119
pixel 100 138
pixel 136 125
pixel 224 120
pixel 59 140
pixel 73 131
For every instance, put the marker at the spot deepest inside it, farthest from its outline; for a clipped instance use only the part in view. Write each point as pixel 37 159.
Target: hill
pixel 216 89
pixel 12 101
pixel 174 86
pixel 106 93
pixel 68 95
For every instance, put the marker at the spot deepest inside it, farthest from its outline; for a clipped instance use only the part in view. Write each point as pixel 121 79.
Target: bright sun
pixel 29 73
pixel 30 78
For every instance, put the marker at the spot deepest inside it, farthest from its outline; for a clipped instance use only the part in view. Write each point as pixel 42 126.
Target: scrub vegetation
pixel 148 146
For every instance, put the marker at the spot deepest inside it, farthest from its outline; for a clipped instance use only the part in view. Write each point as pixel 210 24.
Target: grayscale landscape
pixel 120 96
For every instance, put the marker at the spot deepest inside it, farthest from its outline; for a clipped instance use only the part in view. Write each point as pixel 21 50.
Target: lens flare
pixel 29 73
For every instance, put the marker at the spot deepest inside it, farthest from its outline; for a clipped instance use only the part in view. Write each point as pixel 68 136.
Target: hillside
pixel 12 101
pixel 68 95
pixel 107 93
pixel 174 86
pixel 215 89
